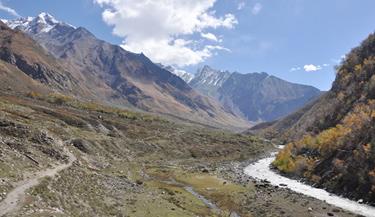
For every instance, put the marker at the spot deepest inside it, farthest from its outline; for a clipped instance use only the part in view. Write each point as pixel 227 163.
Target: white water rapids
pixel 261 171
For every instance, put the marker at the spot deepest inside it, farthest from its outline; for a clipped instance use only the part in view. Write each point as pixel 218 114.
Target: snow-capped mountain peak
pixel 187 77
pixel 210 76
pixel 43 23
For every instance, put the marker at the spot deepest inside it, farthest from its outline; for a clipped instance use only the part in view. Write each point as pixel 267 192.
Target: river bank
pixel 258 197
pixel 261 172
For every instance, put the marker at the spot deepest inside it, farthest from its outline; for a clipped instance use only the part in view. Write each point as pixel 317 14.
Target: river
pixel 261 171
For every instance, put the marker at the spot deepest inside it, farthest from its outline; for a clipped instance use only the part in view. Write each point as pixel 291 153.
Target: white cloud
pixel 257 8
pixel 342 57
pixel 241 5
pixel 211 47
pixel 295 69
pixel 157 27
pixel 326 64
pixel 309 68
pixel 211 36
pixel 9 10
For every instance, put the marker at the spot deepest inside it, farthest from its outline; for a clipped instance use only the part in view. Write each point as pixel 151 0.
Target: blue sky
pixel 296 40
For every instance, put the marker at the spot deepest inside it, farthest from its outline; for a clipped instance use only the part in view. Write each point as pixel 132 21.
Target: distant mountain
pixel 208 81
pixel 119 77
pixel 43 23
pixel 187 77
pixel 253 96
pixel 331 141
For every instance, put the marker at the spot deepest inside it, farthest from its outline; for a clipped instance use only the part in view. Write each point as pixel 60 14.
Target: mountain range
pixel 255 97
pixel 111 75
pixel 97 71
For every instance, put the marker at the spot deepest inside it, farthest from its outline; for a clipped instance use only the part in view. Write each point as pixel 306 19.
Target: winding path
pixel 16 198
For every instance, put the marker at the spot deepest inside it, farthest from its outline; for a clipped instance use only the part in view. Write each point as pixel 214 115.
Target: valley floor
pixel 104 164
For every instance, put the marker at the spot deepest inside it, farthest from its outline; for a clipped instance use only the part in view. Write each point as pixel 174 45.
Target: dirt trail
pixel 16 198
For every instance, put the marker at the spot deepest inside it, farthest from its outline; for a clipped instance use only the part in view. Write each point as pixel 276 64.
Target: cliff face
pixel 26 65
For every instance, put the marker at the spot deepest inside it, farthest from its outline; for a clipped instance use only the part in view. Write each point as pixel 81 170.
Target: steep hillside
pixel 26 65
pixel 336 134
pixel 259 96
pixel 279 131
pixel 121 77
pixel 255 97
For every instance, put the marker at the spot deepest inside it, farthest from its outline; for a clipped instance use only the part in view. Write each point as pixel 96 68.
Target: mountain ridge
pixel 125 78
pixel 255 97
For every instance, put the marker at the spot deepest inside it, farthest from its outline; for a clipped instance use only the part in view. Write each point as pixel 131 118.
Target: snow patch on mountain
pixel 205 76
pixel 187 77
pixel 210 76
pixel 43 23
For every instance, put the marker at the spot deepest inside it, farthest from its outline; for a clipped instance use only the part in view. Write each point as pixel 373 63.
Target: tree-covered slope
pixel 333 143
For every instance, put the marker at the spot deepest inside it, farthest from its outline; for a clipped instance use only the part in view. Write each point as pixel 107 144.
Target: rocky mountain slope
pixel 253 96
pixel 332 140
pixel 27 66
pixel 120 77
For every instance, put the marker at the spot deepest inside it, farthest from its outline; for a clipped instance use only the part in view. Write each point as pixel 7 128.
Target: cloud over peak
pixel 160 28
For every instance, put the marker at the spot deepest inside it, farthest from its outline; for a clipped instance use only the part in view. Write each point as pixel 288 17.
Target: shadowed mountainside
pixel 255 97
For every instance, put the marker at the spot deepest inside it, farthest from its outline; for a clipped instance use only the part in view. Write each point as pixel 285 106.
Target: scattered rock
pixel 139 182
pixel 330 214
pixel 122 177
pixel 81 145
pixel 261 185
pixel 310 209
pixel 205 171
pixel 212 189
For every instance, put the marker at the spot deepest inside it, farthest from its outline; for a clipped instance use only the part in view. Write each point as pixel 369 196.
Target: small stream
pixel 208 202
pixel 261 171
pixel 191 190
